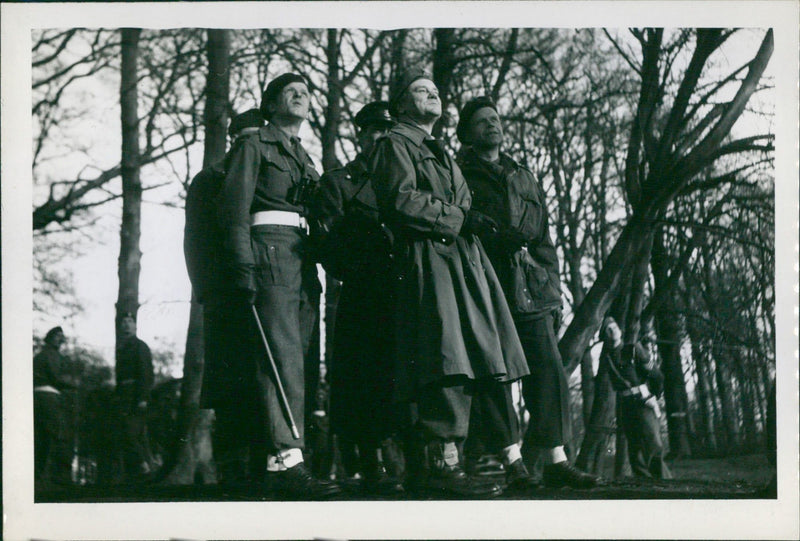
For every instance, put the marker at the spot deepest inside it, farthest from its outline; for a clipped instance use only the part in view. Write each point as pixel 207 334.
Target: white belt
pixel 47 389
pixel 639 390
pixel 278 217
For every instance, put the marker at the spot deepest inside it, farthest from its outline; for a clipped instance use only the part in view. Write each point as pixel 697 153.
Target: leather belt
pixel 278 217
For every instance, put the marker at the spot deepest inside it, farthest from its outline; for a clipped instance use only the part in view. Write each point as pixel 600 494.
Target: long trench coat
pixel 452 317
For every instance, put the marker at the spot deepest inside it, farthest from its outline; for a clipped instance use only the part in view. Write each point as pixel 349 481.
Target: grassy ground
pixel 726 478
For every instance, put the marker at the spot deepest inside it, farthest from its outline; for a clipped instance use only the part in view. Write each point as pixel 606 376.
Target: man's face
pixel 293 102
pixel 58 340
pixel 421 101
pixel 128 326
pixel 485 130
pixel 612 331
pixel 368 135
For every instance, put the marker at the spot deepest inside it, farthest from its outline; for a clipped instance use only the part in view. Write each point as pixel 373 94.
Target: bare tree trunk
pixel 668 332
pixel 131 228
pixel 726 391
pixel 443 64
pixel 330 130
pixel 194 453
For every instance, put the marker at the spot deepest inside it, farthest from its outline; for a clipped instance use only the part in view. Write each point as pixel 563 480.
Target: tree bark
pixel 194 449
pixel 444 63
pixel 131 227
pixel 669 340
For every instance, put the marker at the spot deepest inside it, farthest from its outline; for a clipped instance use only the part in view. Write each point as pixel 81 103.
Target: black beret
pixel 402 83
pixel 467 111
pixel 374 113
pixel 248 119
pixel 52 332
pixel 274 88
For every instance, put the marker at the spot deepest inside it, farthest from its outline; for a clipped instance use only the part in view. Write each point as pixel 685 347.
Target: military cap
pixel 464 117
pixel 402 84
pixel 248 119
pixel 374 113
pixel 52 333
pixel 274 88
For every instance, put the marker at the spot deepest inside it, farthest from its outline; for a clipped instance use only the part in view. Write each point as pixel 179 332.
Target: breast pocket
pixel 533 287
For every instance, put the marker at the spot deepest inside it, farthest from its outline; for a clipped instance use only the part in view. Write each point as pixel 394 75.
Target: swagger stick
pixel 284 401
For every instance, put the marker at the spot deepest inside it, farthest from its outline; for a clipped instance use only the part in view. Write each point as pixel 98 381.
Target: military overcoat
pixel 453 319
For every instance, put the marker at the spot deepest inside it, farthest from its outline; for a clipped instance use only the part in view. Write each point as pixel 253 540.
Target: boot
pixel 562 474
pixel 446 475
pixel 518 478
pixel 297 483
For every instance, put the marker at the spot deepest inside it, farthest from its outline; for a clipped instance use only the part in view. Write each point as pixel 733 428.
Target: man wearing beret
pixel 638 383
pixel 224 323
pixel 527 265
pixel 50 438
pixel 355 247
pixel 455 333
pixel 262 218
pixel 134 376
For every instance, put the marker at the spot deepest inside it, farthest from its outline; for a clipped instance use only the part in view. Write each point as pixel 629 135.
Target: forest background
pixel 104 127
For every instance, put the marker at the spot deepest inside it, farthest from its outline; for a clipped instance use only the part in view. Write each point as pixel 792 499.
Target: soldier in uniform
pixel 455 331
pixel 134 377
pixel 263 263
pixel 49 426
pixel 224 323
pixel 355 247
pixel 527 265
pixel 638 383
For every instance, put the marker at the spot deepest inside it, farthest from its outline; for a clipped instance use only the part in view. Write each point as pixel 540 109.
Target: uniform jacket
pixel 510 194
pixel 350 240
pixel 452 316
pixel 355 247
pixel 264 171
pixel 47 367
pixel 201 236
pixel 631 366
pixel 134 369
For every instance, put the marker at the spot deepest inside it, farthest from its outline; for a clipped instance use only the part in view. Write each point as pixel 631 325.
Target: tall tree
pixel 666 151
pixel 193 434
pixel 130 230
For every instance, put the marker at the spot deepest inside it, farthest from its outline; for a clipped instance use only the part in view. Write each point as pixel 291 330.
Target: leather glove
pixel 510 239
pixel 477 223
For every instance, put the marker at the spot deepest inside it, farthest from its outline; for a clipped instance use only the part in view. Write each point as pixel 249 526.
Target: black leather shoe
pixel 453 481
pixel 562 474
pixel 297 483
pixel 518 478
pixel 377 481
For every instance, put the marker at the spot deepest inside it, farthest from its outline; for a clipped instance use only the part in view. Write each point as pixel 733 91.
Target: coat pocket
pixel 270 263
pixel 532 285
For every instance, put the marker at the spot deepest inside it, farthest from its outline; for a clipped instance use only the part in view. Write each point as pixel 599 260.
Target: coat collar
pixel 272 134
pixel 411 132
pixel 506 162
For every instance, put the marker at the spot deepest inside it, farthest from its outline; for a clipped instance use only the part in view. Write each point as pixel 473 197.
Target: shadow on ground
pixel 744 477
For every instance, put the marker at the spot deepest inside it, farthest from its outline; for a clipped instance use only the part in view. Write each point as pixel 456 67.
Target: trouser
pixel 545 390
pixel 493 422
pixel 50 436
pixel 643 432
pixel 443 410
pixel 279 253
pixel 135 444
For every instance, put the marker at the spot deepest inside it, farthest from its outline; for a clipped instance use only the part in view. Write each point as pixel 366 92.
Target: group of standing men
pixel 450 293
